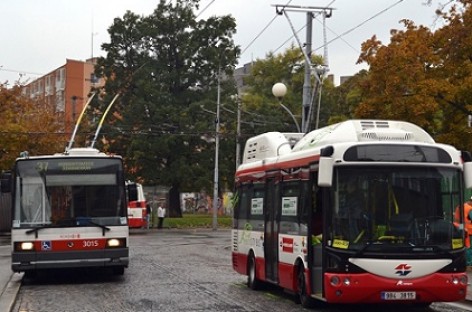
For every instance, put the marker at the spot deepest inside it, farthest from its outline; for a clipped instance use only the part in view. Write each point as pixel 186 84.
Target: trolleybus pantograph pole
pixel 71 142
pixel 103 119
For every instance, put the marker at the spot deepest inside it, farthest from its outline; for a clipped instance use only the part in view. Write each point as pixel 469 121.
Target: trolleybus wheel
pixel 31 274
pixel 303 297
pixel 118 270
pixel 252 281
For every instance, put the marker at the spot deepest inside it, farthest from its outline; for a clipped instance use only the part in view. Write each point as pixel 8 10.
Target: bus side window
pixel 132 192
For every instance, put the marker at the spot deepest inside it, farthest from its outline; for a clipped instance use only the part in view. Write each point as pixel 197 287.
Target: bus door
pixel 318 220
pixel 271 232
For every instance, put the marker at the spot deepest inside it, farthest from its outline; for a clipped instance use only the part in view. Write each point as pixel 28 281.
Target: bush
pixel 197 221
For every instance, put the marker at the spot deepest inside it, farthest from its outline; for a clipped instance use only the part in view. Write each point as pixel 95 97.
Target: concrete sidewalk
pixel 9 282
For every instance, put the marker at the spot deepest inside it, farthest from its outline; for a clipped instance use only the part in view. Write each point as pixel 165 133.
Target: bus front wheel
pixel 118 270
pixel 303 297
pixel 252 281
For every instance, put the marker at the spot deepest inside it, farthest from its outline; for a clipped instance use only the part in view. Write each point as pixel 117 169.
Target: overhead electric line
pixel 262 31
pixel 204 9
pixel 361 24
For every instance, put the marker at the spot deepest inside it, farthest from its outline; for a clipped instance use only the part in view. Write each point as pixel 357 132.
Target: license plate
pixel 398 295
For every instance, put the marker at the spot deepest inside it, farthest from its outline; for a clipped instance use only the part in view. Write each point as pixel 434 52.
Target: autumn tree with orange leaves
pixel 423 76
pixel 26 125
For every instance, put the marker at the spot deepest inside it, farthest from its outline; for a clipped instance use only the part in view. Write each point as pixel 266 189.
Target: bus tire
pixel 31 274
pixel 118 270
pixel 305 300
pixel 252 281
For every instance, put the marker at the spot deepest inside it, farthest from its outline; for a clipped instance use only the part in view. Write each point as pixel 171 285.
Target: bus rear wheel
pixel 305 300
pixel 252 281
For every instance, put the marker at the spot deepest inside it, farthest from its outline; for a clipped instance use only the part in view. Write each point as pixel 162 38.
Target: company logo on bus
pixel 287 244
pixel 403 269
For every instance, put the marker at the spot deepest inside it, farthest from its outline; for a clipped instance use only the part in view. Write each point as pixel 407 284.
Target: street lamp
pixel 279 90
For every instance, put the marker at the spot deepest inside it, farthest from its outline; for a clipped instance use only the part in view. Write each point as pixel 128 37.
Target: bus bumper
pixel 27 261
pixel 368 288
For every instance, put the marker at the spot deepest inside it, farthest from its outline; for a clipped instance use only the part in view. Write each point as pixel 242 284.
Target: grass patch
pixel 196 221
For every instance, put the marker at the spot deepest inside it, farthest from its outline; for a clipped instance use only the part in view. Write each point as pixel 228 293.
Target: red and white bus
pixel 137 210
pixel 358 212
pixel 68 211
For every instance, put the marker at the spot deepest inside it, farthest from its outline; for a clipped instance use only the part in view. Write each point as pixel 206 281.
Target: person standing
pixel 161 213
pixel 148 215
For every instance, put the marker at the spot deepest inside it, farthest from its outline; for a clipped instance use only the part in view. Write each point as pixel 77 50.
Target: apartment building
pixel 66 89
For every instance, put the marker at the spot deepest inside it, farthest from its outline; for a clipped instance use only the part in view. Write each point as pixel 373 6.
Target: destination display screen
pixel 31 167
pixel 397 153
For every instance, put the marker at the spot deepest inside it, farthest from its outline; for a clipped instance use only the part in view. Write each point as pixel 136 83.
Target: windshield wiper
pixel 37 229
pixel 85 221
pixel 103 227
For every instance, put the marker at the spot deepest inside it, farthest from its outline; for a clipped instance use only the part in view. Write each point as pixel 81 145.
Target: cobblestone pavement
pixel 169 271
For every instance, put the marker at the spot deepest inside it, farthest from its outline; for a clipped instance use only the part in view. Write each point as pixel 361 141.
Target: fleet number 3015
pixel 90 243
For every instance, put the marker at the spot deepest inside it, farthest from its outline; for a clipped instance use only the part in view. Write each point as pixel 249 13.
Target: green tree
pixel 27 125
pixel 262 110
pixel 165 67
pixel 423 76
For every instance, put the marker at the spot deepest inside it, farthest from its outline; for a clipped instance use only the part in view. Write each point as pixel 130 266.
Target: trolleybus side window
pixel 290 222
pixel 249 211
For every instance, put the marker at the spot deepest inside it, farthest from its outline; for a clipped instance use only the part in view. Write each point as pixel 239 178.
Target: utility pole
pixel 307 101
pixel 307 81
pixel 238 134
pixel 217 146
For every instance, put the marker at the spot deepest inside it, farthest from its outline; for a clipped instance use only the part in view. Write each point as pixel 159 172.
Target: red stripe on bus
pixel 70 244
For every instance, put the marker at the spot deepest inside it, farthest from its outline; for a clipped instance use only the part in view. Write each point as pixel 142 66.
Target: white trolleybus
pixel 69 211
pixel 358 212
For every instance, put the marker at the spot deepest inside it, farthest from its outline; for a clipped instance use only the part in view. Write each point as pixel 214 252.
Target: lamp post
pixel 217 146
pixel 279 90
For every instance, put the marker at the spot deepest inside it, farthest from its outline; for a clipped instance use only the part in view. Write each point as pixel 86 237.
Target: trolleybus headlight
pixel 347 281
pixel 24 246
pixel 334 280
pixel 115 242
pixel 459 280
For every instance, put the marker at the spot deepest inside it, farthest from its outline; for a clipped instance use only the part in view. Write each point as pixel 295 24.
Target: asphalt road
pixel 169 270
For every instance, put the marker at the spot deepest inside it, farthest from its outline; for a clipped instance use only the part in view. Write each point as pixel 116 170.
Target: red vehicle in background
pixel 137 212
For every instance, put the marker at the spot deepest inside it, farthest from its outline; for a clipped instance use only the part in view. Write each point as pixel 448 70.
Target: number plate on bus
pixel 398 295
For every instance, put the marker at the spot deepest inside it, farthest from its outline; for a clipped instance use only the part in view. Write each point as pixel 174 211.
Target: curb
pixel 8 296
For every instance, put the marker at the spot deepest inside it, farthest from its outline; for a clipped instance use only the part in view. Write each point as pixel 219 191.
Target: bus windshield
pixel 377 208
pixel 69 192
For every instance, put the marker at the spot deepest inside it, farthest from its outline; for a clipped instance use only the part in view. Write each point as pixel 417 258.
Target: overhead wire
pixel 362 23
pixel 204 9
pixel 263 30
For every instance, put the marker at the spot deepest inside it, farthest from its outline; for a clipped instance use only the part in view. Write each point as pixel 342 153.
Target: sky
pixel 38 36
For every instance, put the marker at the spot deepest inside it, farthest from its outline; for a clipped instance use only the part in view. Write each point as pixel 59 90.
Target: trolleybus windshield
pixel 396 207
pixel 69 192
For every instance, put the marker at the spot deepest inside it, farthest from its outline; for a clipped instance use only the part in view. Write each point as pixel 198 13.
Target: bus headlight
pixel 24 246
pixel 116 242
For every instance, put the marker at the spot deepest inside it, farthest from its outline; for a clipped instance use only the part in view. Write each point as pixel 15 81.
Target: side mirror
pixel 468 174
pixel 325 169
pixel 325 172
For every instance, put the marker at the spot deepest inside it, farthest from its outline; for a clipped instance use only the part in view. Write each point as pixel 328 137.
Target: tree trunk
pixel 175 211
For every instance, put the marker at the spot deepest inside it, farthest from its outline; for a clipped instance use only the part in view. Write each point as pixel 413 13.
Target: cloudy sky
pixel 38 36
